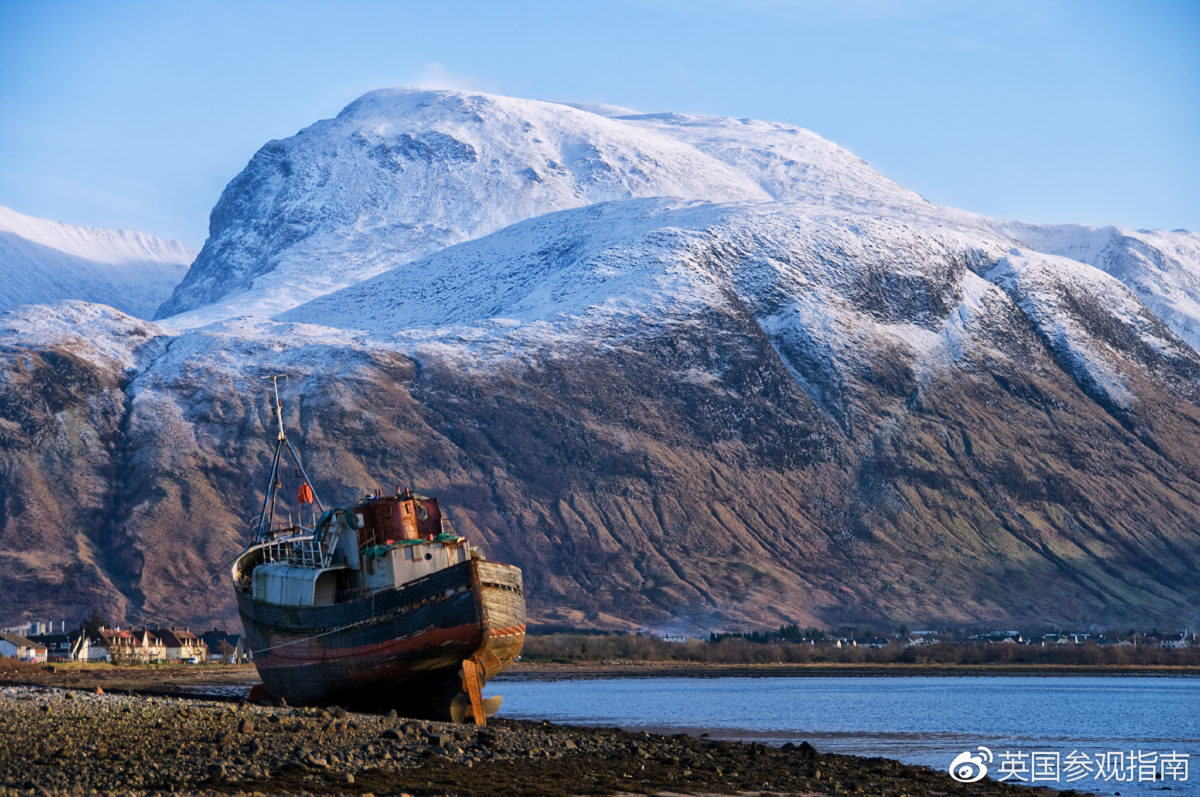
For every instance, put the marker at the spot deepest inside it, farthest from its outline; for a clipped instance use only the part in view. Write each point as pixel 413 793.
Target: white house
pixel 182 645
pixel 14 646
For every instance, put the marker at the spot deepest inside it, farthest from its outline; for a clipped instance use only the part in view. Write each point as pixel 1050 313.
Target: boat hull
pixel 399 648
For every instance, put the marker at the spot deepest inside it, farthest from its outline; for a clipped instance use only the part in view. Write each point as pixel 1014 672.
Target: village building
pixel 15 646
pixel 45 641
pixel 225 648
pixel 93 648
pixel 181 645
pixel 121 646
pixel 59 647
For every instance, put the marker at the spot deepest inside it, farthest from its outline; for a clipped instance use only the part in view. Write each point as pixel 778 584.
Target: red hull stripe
pixel 510 631
pixel 285 652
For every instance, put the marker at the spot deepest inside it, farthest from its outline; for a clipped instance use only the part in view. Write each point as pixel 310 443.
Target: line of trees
pixel 745 649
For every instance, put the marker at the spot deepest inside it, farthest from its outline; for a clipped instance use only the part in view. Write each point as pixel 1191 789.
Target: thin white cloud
pixel 434 75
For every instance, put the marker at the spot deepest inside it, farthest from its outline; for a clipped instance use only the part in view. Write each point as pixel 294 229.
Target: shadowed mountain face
pixel 672 413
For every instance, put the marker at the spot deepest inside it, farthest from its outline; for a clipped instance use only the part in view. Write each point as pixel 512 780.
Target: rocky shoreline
pixel 57 740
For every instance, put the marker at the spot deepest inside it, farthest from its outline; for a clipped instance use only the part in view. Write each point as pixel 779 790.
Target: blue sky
pixel 136 114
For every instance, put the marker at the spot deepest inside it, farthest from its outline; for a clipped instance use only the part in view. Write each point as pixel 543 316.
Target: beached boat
pixel 375 605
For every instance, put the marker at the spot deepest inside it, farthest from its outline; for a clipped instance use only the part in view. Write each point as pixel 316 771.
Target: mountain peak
pixel 401 173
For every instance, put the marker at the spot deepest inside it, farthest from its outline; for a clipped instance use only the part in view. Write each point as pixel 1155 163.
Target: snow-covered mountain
pixel 42 262
pixel 811 280
pixel 399 174
pixel 680 369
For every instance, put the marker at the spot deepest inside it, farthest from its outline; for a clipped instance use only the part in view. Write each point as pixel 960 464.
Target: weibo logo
pixel 968 767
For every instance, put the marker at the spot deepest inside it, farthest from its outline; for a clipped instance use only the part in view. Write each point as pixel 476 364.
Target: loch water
pixel 1131 735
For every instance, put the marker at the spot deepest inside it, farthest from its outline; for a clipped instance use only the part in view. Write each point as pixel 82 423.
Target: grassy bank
pixel 607 649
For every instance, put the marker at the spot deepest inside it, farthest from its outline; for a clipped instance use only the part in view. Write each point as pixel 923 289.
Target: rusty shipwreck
pixel 375 605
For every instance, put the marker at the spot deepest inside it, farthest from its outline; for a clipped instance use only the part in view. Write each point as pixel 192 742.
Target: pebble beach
pixel 56 740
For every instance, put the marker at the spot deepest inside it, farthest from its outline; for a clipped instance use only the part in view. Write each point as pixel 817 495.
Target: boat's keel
pixel 474 691
pixel 470 702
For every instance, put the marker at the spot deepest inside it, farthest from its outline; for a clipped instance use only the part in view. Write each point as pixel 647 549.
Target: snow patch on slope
pixel 1088 318
pixel 828 287
pixel 100 334
pixel 1161 266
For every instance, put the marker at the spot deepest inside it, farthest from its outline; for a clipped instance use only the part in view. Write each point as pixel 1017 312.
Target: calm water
pixel 1131 722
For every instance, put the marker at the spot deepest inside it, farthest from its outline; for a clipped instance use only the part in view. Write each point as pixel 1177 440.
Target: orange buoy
pixel 305 495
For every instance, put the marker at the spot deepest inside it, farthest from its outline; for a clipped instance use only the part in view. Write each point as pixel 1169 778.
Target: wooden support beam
pixel 474 690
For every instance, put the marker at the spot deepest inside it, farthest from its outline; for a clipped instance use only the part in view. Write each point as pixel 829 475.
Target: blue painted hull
pixel 399 648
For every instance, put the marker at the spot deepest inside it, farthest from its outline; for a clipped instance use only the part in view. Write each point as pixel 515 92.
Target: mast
pixel 267 516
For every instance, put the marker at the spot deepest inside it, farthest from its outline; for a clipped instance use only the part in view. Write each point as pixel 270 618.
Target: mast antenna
pixel 267 517
pixel 278 404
